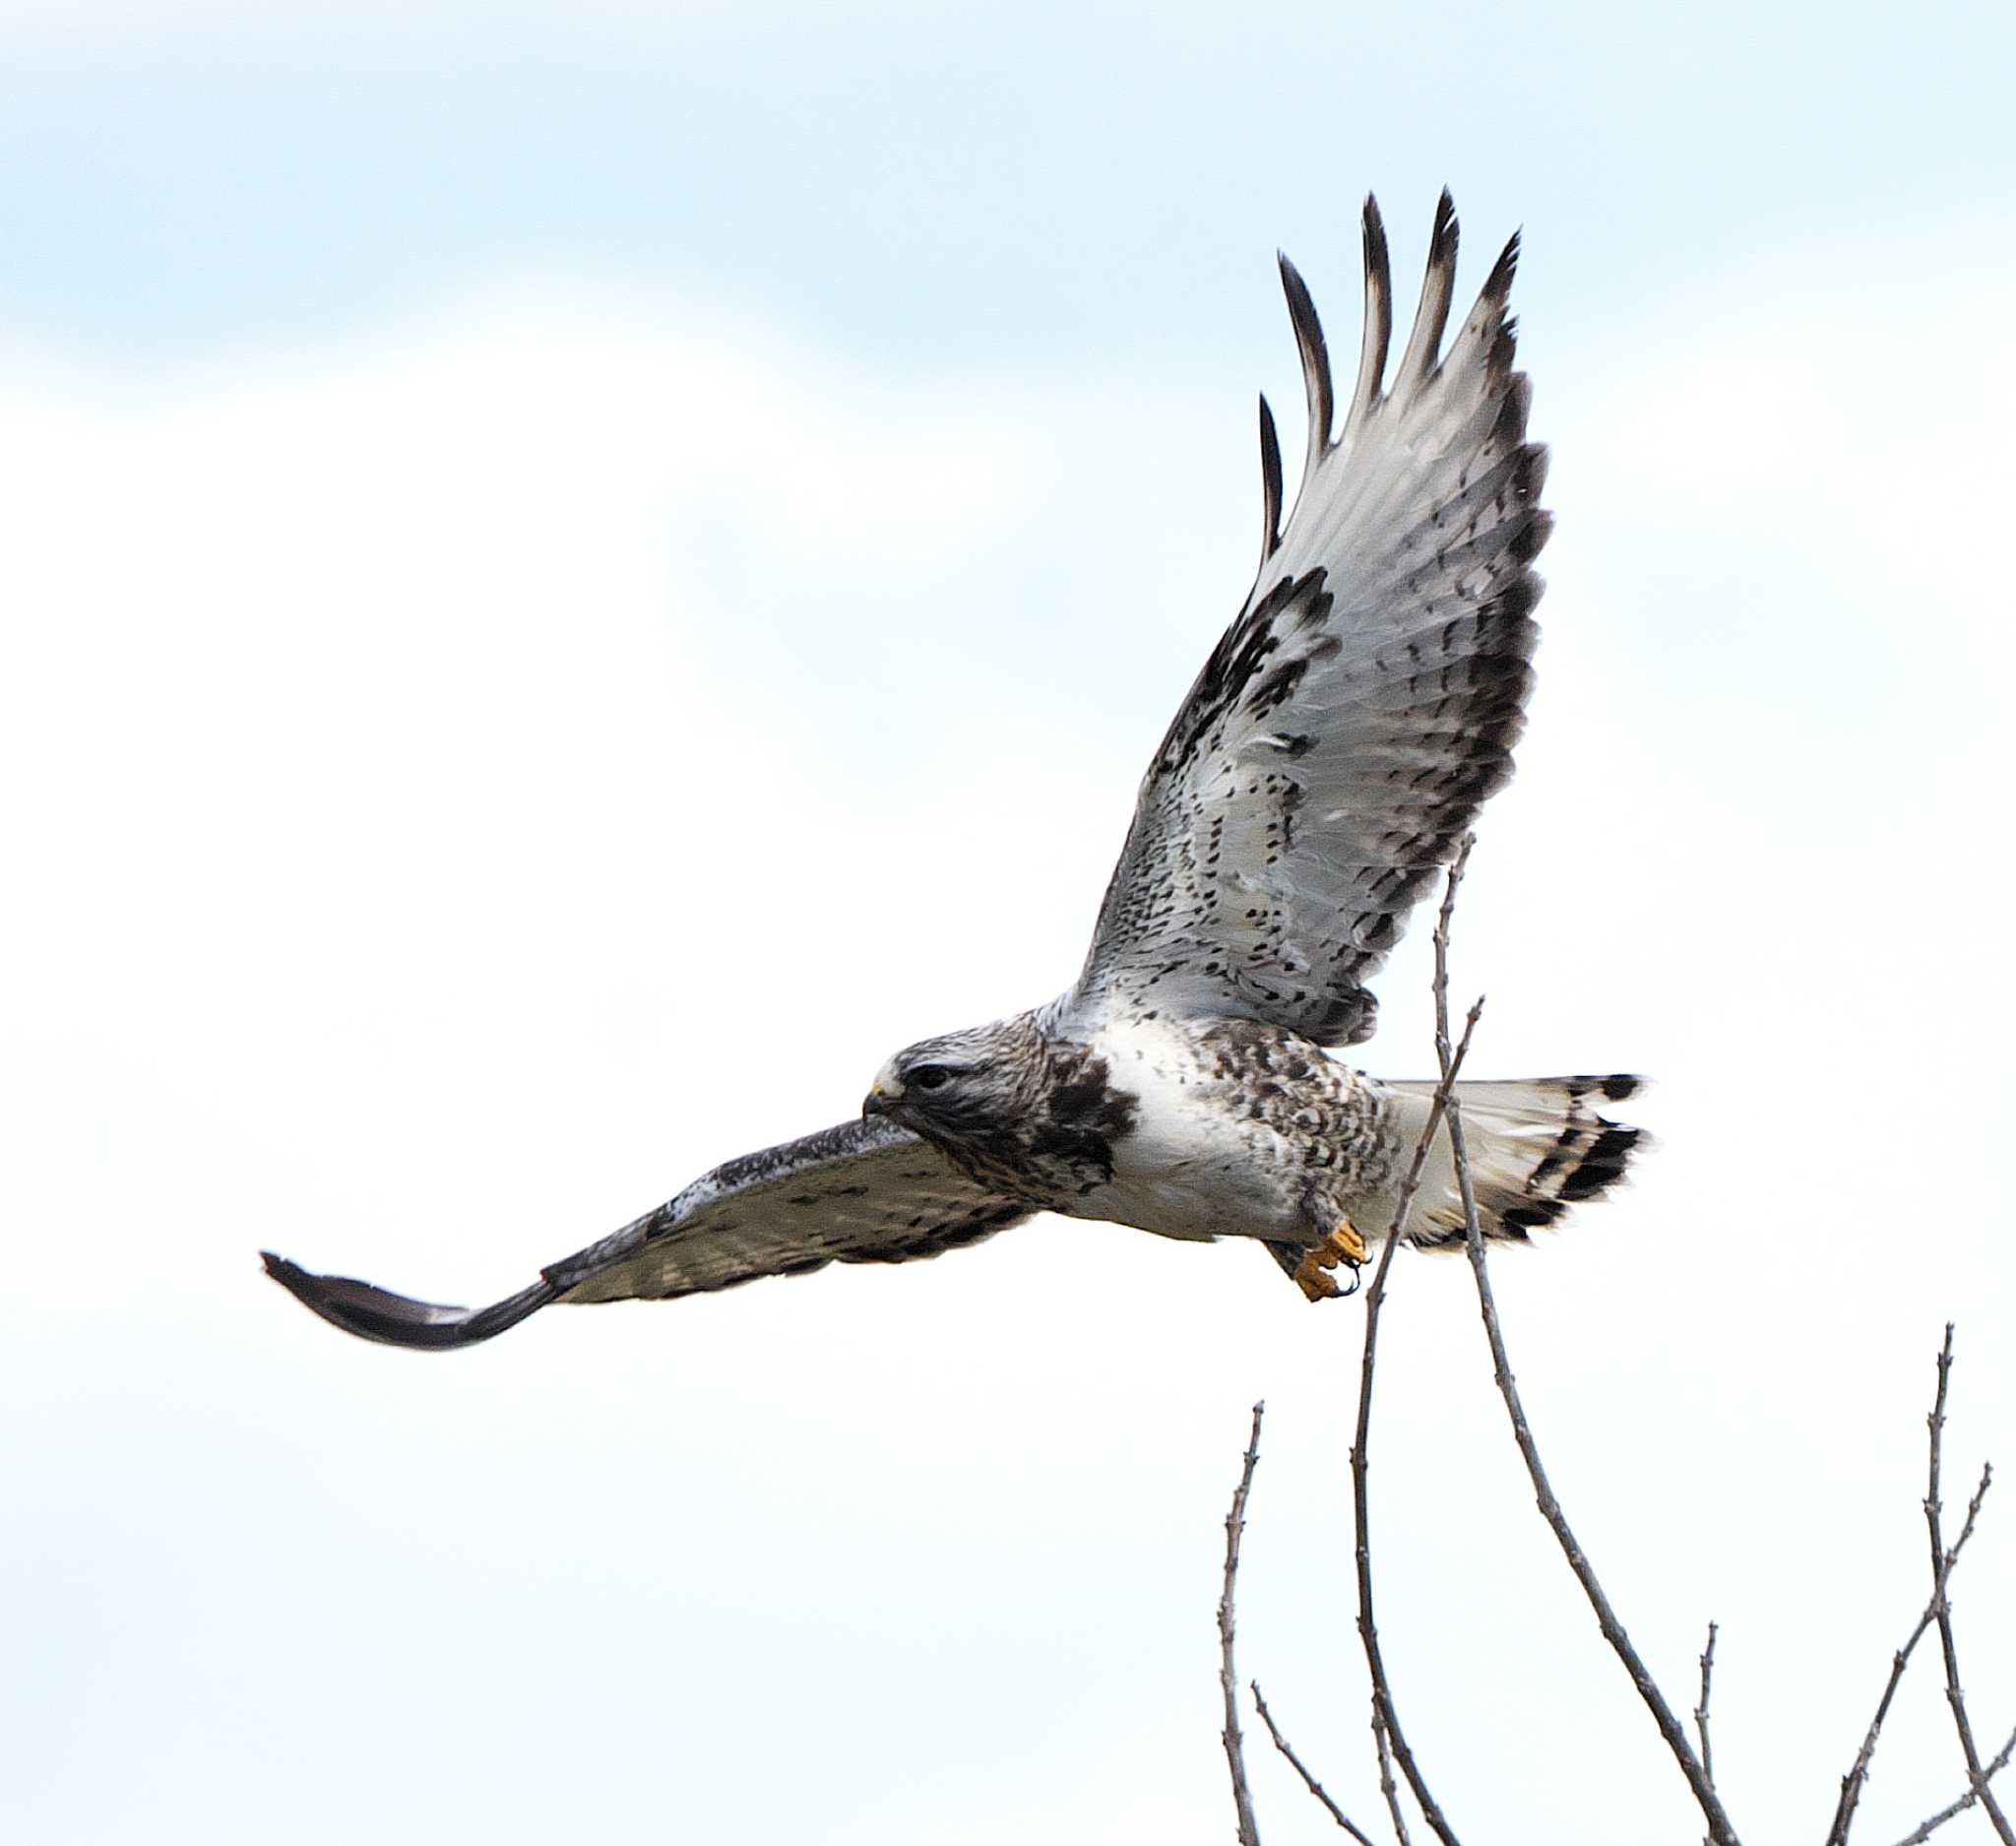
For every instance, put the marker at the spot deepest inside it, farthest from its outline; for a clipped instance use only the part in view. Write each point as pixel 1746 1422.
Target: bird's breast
pixel 1229 1120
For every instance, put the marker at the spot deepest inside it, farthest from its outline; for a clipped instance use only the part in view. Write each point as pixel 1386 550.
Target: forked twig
pixel 1699 1770
pixel 1701 1711
pixel 1852 1782
pixel 1719 1828
pixel 1385 1718
pixel 1235 1744
pixel 1927 1828
pixel 1310 1782
pixel 1387 1787
pixel 1977 1781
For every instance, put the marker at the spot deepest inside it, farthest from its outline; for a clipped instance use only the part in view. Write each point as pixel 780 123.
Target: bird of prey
pixel 1321 772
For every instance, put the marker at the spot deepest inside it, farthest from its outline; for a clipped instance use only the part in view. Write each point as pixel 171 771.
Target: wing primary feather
pixel 374 1313
pixel 1369 693
pixel 1315 361
pixel 1378 317
pixel 865 1192
pixel 1270 482
pixel 1439 290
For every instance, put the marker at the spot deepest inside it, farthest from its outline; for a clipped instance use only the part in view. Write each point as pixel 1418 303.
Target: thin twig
pixel 1927 1828
pixel 1310 1782
pixel 1976 1782
pixel 1387 1786
pixel 1719 1828
pixel 1235 1744
pixel 1701 1711
pixel 1852 1782
pixel 1385 1717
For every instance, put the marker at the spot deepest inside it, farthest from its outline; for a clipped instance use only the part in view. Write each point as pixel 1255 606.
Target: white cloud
pixel 473 782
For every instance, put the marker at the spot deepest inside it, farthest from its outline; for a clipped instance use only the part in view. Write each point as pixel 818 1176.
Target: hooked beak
pixel 884 1094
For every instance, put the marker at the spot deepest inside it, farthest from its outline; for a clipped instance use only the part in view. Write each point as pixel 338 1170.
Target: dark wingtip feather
pixel 1270 482
pixel 1373 228
pixel 1531 537
pixel 1301 311
pixel 1499 284
pixel 1535 462
pixel 1378 331
pixel 375 1314
pixel 1438 289
pixel 1515 404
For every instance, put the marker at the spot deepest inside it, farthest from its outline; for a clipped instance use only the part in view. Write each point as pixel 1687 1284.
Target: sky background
pixel 575 578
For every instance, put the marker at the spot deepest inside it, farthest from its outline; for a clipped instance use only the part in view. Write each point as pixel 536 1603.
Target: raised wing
pixel 863 1192
pixel 1347 728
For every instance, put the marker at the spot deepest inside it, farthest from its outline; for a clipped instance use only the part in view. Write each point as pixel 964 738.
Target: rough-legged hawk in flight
pixel 1333 753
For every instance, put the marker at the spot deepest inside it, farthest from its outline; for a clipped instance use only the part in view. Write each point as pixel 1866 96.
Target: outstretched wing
pixel 863 1192
pixel 1347 728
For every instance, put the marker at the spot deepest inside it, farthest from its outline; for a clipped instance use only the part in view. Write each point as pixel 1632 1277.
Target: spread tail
pixel 1536 1148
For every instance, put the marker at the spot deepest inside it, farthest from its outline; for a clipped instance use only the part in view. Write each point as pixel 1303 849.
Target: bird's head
pixel 964 1085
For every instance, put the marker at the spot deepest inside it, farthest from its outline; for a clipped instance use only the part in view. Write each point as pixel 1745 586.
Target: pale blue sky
pixel 900 182
pixel 577 577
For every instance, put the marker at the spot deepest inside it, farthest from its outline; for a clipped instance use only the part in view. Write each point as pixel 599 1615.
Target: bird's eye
pixel 929 1077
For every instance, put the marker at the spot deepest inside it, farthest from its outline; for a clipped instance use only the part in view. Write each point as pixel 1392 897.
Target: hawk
pixel 1323 769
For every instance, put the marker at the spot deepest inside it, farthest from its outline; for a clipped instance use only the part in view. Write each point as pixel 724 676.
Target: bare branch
pixel 1310 1782
pixel 1701 1711
pixel 1927 1828
pixel 1385 1718
pixel 1235 1744
pixel 1851 1783
pixel 1719 1828
pixel 1386 1783
pixel 1942 1563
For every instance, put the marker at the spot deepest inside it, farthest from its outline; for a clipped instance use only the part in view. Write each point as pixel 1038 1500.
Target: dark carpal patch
pixel 1242 652
pixel 1085 1117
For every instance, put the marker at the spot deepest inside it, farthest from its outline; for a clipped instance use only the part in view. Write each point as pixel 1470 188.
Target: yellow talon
pixel 1313 1277
pixel 1341 1245
pixel 1347 1244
